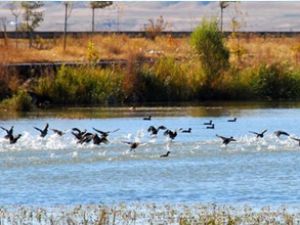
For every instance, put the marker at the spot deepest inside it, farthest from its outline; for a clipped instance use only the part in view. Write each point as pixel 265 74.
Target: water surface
pixel 57 171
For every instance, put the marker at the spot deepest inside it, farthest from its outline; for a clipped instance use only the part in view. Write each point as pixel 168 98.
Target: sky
pixel 180 16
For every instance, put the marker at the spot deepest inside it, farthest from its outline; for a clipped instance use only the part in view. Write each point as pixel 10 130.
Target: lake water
pixel 57 171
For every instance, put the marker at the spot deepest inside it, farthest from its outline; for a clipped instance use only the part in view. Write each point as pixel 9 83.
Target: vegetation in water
pixel 149 214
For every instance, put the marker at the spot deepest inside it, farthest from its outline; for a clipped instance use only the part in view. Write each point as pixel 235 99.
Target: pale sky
pixel 181 16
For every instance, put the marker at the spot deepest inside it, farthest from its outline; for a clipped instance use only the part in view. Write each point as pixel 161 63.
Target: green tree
pixel 98 5
pixel 214 56
pixel 33 16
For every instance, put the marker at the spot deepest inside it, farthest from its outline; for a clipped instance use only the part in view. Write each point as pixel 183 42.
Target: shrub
pixel 166 80
pixel 18 102
pixel 275 82
pixel 85 85
pixel 214 56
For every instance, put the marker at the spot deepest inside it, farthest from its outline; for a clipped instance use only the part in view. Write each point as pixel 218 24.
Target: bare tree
pixel 155 27
pixel 223 5
pixel 3 26
pixel 68 11
pixel 15 9
pixel 32 16
pixel 98 5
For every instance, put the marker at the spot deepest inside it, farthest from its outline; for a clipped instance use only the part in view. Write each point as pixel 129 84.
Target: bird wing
pixel 223 138
pixel 114 130
pixel 76 135
pixel 151 129
pixel 99 131
pixel 253 132
pixel 264 131
pixel 4 129
pixel 127 142
pixel 38 129
pixel 76 129
pixel 296 139
pixel 58 131
pixel 162 128
pixel 46 127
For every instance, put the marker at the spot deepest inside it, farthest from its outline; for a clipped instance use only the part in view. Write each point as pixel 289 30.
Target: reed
pixel 150 214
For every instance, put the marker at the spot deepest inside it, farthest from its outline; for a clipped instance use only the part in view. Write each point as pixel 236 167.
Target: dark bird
pixel 13 140
pixel 278 133
pixel 211 126
pixel 171 134
pixel 209 123
pixel 86 138
pixel 98 140
pixel 259 135
pixel 105 133
pixel 226 140
pixel 9 133
pixel 44 132
pixel 133 145
pixel 78 131
pixel 296 139
pixel 58 132
pixel 154 130
pixel 186 131
pixel 232 120
pixel 165 155
pixel 147 118
pixel 78 134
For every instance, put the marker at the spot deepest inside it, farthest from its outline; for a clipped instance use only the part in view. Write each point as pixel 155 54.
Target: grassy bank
pixel 149 214
pixel 165 80
pixel 203 67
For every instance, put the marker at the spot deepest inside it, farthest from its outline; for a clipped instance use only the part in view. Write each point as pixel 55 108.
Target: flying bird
pixel 105 133
pixel 13 140
pixel 58 132
pixel 226 140
pixel 43 132
pixel 259 135
pixel 9 133
pixel 278 133
pixel 133 145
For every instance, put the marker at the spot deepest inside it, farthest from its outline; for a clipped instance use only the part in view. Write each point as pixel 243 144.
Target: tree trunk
pixel 221 19
pixel 93 20
pixel 65 27
pixel 16 29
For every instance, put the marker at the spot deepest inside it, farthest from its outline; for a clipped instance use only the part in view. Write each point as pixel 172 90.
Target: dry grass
pixel 245 51
pixel 150 214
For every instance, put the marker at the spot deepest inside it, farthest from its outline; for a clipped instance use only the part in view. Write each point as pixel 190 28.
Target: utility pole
pixel 68 11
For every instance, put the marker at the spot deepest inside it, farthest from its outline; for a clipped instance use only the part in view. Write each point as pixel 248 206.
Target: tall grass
pixel 81 86
pixel 20 101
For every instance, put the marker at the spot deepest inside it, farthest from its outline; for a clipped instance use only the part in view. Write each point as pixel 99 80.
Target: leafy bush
pixel 18 102
pixel 276 82
pixel 214 56
pixel 85 85
pixel 169 79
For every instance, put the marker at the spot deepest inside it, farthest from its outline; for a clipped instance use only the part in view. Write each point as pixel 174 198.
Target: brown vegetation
pixel 244 51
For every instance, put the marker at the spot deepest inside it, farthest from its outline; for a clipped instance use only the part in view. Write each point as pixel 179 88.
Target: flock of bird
pixel 97 137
